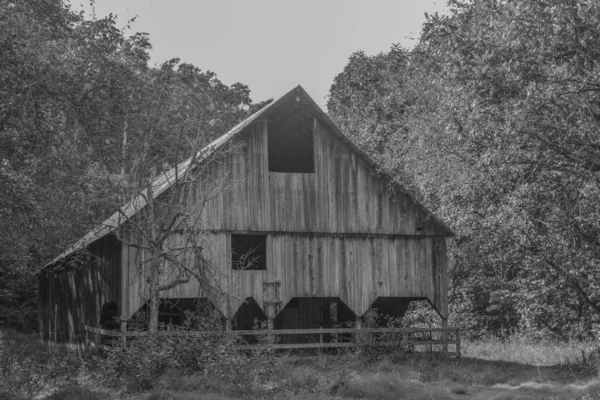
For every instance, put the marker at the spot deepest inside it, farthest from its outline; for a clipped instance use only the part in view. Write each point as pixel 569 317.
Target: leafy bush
pixel 148 361
pixel 145 359
pixel 28 367
pixel 138 366
pixel 384 344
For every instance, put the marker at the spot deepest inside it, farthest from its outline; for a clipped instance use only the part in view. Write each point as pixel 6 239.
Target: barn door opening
pixel 195 313
pixel 313 313
pixel 249 316
pixel 109 316
pixel 401 311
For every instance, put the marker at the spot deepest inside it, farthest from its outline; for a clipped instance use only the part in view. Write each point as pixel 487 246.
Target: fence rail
pixel 360 337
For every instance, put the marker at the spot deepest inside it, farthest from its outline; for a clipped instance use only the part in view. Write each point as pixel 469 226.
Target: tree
pixel 83 121
pixel 500 137
pixel 184 109
pixel 63 81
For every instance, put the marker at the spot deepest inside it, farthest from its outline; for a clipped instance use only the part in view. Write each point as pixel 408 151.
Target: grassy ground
pixel 348 379
pixel 491 369
pixel 422 378
pixel 524 350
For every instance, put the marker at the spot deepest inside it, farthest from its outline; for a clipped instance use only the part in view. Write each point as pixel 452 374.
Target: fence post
pixel 321 345
pixel 430 341
pixel 445 336
pixel 123 333
pixel 358 335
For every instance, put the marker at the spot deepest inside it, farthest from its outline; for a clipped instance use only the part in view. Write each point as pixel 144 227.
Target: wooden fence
pixel 415 339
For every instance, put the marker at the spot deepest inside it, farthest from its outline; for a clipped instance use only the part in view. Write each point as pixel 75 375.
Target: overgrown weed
pixel 27 367
pixel 525 350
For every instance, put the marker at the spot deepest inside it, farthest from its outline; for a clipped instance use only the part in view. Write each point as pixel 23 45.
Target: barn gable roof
pixel 166 180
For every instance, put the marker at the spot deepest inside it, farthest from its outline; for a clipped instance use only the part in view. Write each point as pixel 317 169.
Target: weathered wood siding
pixel 355 269
pixel 344 195
pixel 73 295
pixel 338 232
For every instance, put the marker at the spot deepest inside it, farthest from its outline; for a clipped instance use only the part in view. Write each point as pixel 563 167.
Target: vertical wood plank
pixel 394 268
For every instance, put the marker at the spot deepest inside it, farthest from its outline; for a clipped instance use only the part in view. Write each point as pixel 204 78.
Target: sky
pixel 271 45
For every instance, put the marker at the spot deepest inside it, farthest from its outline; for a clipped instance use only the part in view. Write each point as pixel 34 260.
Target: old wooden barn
pixel 332 238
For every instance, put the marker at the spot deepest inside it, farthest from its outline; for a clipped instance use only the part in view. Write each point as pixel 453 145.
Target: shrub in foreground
pixel 28 367
pixel 139 366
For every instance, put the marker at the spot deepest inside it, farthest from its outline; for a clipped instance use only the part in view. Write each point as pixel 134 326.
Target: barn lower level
pixel 294 281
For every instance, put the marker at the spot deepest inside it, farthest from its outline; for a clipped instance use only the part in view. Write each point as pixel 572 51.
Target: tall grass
pixel 524 350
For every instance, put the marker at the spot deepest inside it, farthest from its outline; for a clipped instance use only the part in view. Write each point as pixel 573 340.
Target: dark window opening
pixel 248 252
pixel 291 145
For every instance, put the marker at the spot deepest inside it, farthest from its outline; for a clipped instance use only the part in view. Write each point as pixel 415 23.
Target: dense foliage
pixel 82 118
pixel 27 367
pixel 493 121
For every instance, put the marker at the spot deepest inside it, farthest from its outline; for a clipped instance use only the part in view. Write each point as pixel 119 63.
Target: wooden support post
pixel 41 325
pixel 228 324
pixel 49 326
pixel 270 324
pixel 87 341
pixel 70 329
pixel 55 323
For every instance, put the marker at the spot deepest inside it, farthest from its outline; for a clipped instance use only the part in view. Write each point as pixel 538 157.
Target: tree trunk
pixel 153 305
pixel 154 273
pixel 154 300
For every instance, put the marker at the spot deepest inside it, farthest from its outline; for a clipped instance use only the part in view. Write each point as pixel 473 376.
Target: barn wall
pixel 344 195
pixel 338 232
pixel 73 296
pixel 136 288
pixel 355 269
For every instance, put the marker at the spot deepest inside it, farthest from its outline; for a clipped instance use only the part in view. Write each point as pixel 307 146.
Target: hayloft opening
pixel 291 146
pixel 249 252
